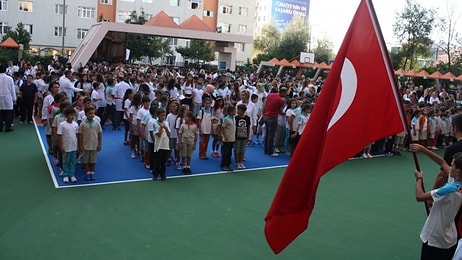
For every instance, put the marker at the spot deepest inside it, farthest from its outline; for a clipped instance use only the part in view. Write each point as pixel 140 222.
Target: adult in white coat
pixel 7 99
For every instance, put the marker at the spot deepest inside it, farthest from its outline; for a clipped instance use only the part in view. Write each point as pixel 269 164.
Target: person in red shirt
pixel 272 107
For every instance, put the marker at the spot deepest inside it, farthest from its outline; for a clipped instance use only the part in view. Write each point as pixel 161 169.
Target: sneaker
pixel 92 177
pixel 61 173
pixel 226 168
pixel 274 155
pixel 66 179
pixel 88 177
pixel 242 166
pixel 364 155
pixel 55 161
pixel 277 150
pixel 369 155
pixel 178 167
pixel 204 158
pixel 133 155
pixel 238 166
pixel 73 179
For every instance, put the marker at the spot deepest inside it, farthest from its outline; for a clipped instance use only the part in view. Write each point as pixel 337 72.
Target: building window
pixel 123 16
pixel 240 47
pixel 4 28
pixel 227 9
pixel 174 2
pixel 242 28
pixel 175 19
pixel 106 2
pixel 86 12
pixel 3 5
pixel 59 9
pixel 243 11
pixel 29 28
pixel 25 6
pixel 224 27
pixel 173 41
pixel 208 13
pixel 59 31
pixel 195 4
pixel 81 33
pixel 187 43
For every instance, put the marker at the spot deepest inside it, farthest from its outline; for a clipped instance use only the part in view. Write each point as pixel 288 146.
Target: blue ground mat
pixel 115 165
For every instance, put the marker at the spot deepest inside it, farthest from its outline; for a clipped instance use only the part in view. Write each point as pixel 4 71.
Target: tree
pixel 294 39
pixel 448 27
pixel 323 51
pixel 197 50
pixel 268 39
pixel 413 28
pixel 137 43
pixel 160 48
pixel 20 35
pixel 271 43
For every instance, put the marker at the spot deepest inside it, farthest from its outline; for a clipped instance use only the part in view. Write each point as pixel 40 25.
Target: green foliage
pixel 7 54
pixel 448 27
pixel 160 47
pixel 20 35
pixel 262 57
pixel 413 27
pixel 268 39
pixel 136 43
pixel 323 51
pixel 294 39
pixel 454 67
pixel 197 50
pixel 145 45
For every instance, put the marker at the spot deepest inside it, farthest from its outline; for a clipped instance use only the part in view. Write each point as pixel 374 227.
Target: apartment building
pixel 60 25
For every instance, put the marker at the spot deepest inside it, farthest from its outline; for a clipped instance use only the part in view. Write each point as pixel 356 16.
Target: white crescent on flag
pixel 349 81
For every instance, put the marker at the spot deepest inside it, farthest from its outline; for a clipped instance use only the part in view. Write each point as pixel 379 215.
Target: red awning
pixel 423 74
pixel 9 43
pixel 435 75
pixel 448 76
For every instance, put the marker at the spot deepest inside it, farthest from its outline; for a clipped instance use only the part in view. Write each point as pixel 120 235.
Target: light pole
pixel 64 26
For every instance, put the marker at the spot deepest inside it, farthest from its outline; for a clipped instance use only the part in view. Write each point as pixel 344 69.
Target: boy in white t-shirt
pixel 67 141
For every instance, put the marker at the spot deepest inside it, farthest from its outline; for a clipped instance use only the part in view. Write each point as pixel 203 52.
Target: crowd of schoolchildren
pixel 429 114
pixel 169 113
pixel 166 113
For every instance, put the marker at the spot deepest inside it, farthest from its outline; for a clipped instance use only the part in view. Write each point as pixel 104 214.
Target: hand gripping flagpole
pixel 399 100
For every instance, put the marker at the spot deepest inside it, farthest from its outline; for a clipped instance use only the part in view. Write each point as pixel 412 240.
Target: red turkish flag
pixel 358 104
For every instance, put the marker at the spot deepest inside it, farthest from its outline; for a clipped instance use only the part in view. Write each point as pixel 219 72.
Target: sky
pixel 330 19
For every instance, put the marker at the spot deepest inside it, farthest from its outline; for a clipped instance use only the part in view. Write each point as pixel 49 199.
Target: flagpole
pixel 396 89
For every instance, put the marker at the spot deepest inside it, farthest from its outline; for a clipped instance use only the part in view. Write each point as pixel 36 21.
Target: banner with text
pixel 282 11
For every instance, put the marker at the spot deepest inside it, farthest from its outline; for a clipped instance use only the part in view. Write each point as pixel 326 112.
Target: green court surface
pixel 365 209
